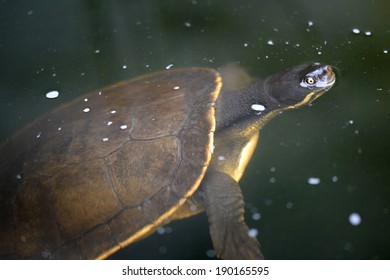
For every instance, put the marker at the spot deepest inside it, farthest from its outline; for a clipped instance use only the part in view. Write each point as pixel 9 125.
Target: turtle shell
pixel 103 171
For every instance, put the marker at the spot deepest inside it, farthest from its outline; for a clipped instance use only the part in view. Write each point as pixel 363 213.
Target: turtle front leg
pixel 224 206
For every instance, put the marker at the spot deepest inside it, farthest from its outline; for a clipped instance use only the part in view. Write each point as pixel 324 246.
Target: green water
pixel 76 46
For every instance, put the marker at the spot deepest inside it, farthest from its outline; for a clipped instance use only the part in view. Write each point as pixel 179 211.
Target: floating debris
pixel 169 66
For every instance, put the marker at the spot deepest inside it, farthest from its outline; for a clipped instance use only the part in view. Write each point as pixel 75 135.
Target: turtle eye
pixel 310 80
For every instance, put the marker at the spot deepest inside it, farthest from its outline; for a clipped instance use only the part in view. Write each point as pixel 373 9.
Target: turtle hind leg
pixel 225 211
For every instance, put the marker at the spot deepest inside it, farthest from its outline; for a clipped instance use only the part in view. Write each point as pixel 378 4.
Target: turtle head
pixel 300 85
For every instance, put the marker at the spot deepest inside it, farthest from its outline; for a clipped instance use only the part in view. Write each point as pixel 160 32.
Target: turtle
pixel 108 168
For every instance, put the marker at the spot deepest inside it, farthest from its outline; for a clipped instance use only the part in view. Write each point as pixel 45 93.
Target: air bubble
pixel 356 31
pixel 52 94
pixel 354 219
pixel 253 232
pixel 256 216
pixel 313 181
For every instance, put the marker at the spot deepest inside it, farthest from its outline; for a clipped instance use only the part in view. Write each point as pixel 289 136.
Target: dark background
pixel 77 46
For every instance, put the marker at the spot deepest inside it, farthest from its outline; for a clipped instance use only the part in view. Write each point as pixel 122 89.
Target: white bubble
pixel 85 99
pixel 354 219
pixel 272 169
pixel 160 230
pixel 169 66
pixel 356 31
pixel 335 179
pixel 176 87
pixel 109 123
pixel 253 232
pixel 113 111
pixel 105 139
pixel 123 126
pixel 221 158
pixel 124 66
pixel 289 205
pixel 187 24
pixel 97 51
pixel 39 134
pixel 270 42
pixel 258 107
pixel 52 94
pixel 313 181
pixel 246 45
pixel 310 23
pixel 385 51
pixel 368 33
pixel 256 216
pixel 86 110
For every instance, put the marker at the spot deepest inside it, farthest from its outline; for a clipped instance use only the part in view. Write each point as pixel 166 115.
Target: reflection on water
pixel 317 186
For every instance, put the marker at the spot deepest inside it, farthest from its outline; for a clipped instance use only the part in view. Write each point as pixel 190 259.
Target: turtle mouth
pixel 325 82
pixel 330 79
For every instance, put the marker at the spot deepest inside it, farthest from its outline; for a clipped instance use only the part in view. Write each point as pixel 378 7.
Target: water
pixel 342 140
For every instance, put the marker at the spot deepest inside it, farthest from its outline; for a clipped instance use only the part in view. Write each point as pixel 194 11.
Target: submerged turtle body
pixel 105 170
